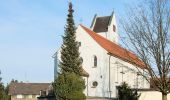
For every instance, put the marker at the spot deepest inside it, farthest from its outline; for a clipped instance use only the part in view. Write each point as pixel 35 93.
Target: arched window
pixel 95 61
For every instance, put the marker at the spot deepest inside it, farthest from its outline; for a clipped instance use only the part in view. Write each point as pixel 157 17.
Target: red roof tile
pixel 114 49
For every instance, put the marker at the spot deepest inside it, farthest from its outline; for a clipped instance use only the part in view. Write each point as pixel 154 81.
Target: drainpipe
pixel 109 77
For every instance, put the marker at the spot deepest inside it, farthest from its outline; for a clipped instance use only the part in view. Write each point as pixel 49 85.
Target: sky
pixel 31 30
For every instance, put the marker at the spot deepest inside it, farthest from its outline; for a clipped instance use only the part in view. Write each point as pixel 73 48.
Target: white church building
pixel 105 63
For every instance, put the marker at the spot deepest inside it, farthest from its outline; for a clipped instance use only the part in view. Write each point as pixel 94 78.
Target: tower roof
pixel 115 50
pixel 101 24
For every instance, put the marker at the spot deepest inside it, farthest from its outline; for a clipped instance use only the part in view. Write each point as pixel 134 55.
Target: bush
pixel 125 93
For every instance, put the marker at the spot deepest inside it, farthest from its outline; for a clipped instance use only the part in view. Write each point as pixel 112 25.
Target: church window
pixel 95 61
pixel 114 28
pixel 94 84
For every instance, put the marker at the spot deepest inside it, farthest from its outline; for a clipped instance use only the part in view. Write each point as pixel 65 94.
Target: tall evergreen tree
pixel 70 56
pixel 69 85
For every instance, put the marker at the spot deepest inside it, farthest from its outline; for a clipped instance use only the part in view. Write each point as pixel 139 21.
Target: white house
pixel 105 63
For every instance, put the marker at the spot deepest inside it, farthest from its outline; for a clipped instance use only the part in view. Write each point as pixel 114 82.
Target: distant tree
pixel 69 85
pixel 148 30
pixel 14 81
pixel 3 90
pixel 125 93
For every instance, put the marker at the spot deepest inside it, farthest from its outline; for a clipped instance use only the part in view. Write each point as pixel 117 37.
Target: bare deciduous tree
pixel 148 32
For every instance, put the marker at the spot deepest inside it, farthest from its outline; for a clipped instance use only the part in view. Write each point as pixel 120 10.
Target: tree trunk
pixel 164 96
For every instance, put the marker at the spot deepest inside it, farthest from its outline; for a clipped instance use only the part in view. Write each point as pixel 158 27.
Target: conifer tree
pixel 69 85
pixel 70 56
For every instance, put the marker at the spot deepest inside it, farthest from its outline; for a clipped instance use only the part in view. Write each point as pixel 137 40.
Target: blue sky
pixel 30 33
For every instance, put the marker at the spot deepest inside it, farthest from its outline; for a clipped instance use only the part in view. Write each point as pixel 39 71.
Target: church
pixel 105 63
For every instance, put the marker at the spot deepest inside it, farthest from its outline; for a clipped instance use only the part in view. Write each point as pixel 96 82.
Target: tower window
pixel 95 61
pixel 114 28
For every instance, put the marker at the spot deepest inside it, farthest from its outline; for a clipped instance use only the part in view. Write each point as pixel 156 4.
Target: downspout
pixel 109 77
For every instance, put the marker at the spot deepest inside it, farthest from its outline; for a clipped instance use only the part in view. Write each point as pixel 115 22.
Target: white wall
pixel 152 95
pixel 113 36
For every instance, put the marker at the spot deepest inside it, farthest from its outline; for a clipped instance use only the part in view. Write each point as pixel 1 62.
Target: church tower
pixel 106 26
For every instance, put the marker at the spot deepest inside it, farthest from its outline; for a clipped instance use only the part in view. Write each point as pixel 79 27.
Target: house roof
pixel 101 24
pixel 27 88
pixel 114 49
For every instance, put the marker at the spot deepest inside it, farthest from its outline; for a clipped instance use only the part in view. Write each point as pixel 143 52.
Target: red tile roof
pixel 114 49
pixel 28 88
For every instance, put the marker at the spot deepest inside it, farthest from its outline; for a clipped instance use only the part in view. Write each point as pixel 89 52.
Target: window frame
pixel 114 28
pixel 95 61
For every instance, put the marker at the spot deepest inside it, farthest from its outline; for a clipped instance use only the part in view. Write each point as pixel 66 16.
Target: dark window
pixel 95 61
pixel 95 83
pixel 114 28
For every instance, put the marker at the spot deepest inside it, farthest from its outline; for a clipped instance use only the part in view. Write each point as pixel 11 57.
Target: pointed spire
pixel 113 12
pixel 111 17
